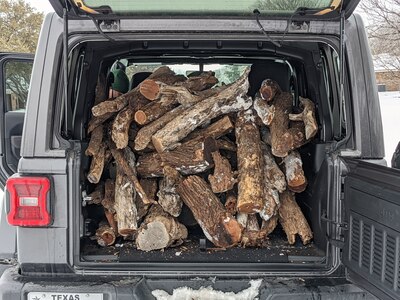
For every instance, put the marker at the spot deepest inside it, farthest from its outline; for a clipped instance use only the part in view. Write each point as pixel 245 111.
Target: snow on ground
pixel 390 109
pixel 207 293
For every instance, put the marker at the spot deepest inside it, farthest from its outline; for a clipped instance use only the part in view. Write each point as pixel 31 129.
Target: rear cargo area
pixel 302 70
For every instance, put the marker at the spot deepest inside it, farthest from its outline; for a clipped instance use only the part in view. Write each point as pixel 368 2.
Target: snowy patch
pixel 206 293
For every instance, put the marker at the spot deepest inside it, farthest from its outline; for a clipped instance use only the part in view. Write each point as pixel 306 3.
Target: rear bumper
pixel 14 286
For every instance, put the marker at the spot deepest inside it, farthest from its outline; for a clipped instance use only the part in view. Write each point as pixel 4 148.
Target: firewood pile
pixel 175 141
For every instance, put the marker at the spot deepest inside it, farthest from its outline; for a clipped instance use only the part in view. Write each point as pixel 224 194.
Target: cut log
pixel 168 197
pixel 97 165
pixel 159 230
pixel 190 158
pixel 269 89
pixel 126 161
pixel 95 142
pixel 215 130
pixel 223 178
pixel 121 126
pixel 251 236
pixel 219 226
pixel 292 219
pixel 250 164
pixel 112 221
pixel 203 81
pixel 109 196
pixel 232 98
pixel 296 180
pixel 96 121
pixel 308 117
pixel 273 174
pixel 281 143
pixel 150 187
pixel 271 197
pixel 105 235
pixel 267 227
pixel 231 202
pixel 265 111
pixel 155 109
pixel 133 97
pixel 143 137
pixel 125 207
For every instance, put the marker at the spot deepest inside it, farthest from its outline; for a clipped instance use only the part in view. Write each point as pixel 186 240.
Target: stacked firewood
pixel 175 141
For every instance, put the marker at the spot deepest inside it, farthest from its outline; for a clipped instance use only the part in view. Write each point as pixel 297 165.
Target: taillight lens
pixel 28 201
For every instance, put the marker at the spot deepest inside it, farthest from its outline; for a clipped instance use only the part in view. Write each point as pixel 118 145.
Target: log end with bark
pixel 105 235
pixel 159 230
pixel 296 180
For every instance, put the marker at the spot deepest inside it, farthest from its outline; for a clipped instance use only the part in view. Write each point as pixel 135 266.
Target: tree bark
pixel 97 165
pixel 308 117
pixel 250 164
pixel 168 197
pixel 105 235
pixel 292 219
pixel 100 93
pixel 205 81
pixel 223 178
pixel 121 126
pixel 97 195
pixel 267 227
pixel 231 202
pixel 96 121
pixel 125 205
pixel 232 98
pixel 296 180
pixel 159 230
pixel 273 174
pixel 143 137
pixel 109 196
pixel 150 187
pixel 95 142
pixel 126 161
pixel 190 158
pixel 265 111
pixel 155 109
pixel 219 226
pixel 252 236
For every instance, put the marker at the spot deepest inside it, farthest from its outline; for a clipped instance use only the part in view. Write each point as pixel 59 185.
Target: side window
pixel 17 76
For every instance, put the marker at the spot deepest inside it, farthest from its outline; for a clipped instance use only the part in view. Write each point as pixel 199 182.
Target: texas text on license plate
pixel 64 296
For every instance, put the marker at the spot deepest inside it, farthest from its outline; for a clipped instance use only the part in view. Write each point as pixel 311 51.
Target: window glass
pixel 213 7
pixel 17 80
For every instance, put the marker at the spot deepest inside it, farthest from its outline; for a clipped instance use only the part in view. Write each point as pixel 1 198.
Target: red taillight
pixel 28 201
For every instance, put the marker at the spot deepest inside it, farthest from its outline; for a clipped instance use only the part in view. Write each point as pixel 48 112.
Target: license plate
pixel 64 296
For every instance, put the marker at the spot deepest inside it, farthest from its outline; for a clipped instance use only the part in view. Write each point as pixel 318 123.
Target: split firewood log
pixel 269 89
pixel 99 160
pixel 273 174
pixel 231 202
pixel 160 230
pixel 155 109
pixel 143 137
pixel 223 178
pixel 308 117
pixel 292 219
pixel 125 207
pixel 250 164
pixel 105 235
pixel 267 227
pixel 219 226
pixel 232 98
pixel 126 161
pixel 121 126
pixel 168 197
pixel 133 97
pixel 150 186
pixel 296 180
pixel 252 236
pixel 265 111
pixel 190 158
pixel 95 142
